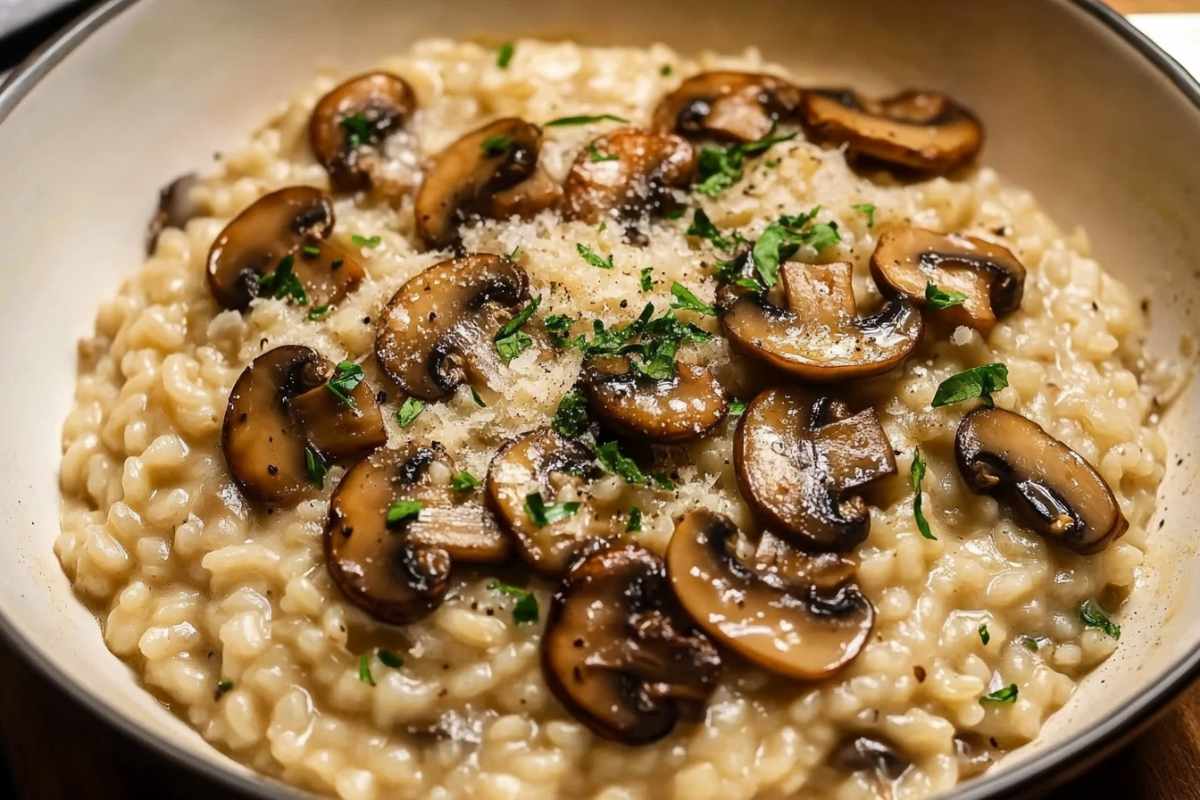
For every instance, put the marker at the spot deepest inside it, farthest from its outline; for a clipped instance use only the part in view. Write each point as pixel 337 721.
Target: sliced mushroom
pixel 543 462
pixel 437 329
pixel 1049 486
pixel 175 208
pixel 820 336
pixel 741 106
pixel 804 622
pixel 348 126
pixel 490 172
pixel 906 260
pixel 876 757
pixel 278 407
pixel 618 653
pixel 287 227
pixel 673 410
pixel 629 172
pixel 924 131
pixel 799 460
pixel 398 572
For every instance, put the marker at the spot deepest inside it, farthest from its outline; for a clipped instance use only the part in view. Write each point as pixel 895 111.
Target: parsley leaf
pixel 982 381
pixel 584 119
pixel 558 326
pixel 1006 695
pixel 526 608
pixel 478 400
pixel 867 209
pixel 505 54
pixel 389 659
pixel 346 378
pixel 589 255
pixel 320 312
pixel 366 241
pixel 612 459
pixel 571 417
pixel 984 636
pixel 315 465
pixel 634 525
pixel 510 340
pixel 402 510
pixel 1093 616
pixel 311 250
pixel 410 409
pixel 916 473
pixel 685 299
pixel 364 670
pixel 647 279
pixel 496 145
pixel 703 227
pixel 720 168
pixel 282 284
pixel 737 408
pixel 594 154
pixel 464 482
pixel 649 343
pixel 782 238
pixel 543 513
pixel 665 70
pixel 942 300
pixel 358 130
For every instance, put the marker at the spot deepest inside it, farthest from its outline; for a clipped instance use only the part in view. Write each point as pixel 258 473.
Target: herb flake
pixel 282 284
pixel 403 510
pixel 916 474
pixel 984 636
pixel 525 610
pixel 364 670
pixel 366 241
pixel 590 256
pixel 685 299
pixel 981 382
pixel 940 299
pixel 1008 694
pixel 504 55
pixel 571 416
pixel 315 465
pixel 409 410
pixel 584 119
pixel 464 482
pixel 867 210
pixel 647 279
pixel 634 524
pixel 389 658
pixel 721 168
pixel 346 377
pixel 543 513
pixel 1093 616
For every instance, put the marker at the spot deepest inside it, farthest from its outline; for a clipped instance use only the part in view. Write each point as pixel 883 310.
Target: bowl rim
pixel 1040 773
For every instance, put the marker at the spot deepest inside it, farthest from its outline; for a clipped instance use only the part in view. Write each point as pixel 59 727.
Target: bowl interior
pixel 1073 111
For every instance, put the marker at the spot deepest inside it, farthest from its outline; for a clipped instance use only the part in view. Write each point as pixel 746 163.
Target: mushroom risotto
pixel 574 422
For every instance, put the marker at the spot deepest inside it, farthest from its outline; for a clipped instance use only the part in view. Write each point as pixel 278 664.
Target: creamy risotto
pixel 486 606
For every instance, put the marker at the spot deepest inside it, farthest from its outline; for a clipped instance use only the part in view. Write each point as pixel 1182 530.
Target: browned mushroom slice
pixel 673 410
pixel 628 172
pixel 992 280
pixel 175 207
pixel 348 126
pixel 490 172
pixel 742 106
pixel 803 623
pixel 264 436
pixel 542 463
pixel 439 326
pixel 873 756
pixel 618 653
pixel 820 336
pixel 284 231
pixel 1049 486
pixel 799 460
pixel 395 528
pixel 920 130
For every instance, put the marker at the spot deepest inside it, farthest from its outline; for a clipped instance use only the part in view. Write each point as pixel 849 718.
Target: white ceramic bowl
pixel 1078 106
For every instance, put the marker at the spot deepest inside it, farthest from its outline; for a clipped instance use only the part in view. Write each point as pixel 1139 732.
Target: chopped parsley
pixel 403 510
pixel 916 474
pixel 409 410
pixel 358 129
pixel 282 284
pixel 782 238
pixel 979 382
pixel 543 513
pixel 665 70
pixel 584 119
pixel 366 241
pixel 224 686
pixel 571 417
pixel 320 312
pixel 1006 695
pixel 389 659
pixel 721 168
pixel 1031 643
pixel 478 400
pixel 558 326
pixel 867 210
pixel 516 253
pixel 647 279
pixel 590 256
pixel 1093 616
pixel 737 408
pixel 510 340
pixel 649 343
pixel 594 154
pixel 315 465
pixel 612 459
pixel 364 670
pixel 496 145
pixel 984 636
pixel 311 250
pixel 464 482
pixel 525 610
pixel 505 54
pixel 685 299
pixel 703 227
pixel 940 299
pixel 634 524
pixel 346 377
pixel 663 481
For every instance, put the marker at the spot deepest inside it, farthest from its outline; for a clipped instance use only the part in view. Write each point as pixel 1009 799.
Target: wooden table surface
pixel 55 750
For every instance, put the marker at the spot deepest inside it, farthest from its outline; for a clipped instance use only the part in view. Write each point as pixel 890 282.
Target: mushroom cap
pixel 400 573
pixel 820 337
pixel 175 207
pixel 274 227
pixel 907 259
pixel 794 615
pixel 635 175
pixel 264 433
pixel 383 100
pixel 920 130
pixel 798 460
pixel 618 653
pixel 491 172
pixel 738 106
pixel 674 410
pixel 439 325
pixel 1049 486
pixel 543 461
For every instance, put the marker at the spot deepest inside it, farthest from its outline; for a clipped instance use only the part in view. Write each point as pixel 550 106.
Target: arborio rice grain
pixel 230 617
